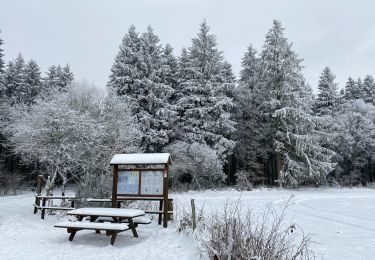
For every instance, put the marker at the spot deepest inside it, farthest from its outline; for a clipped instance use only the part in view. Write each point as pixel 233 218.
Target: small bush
pixel 242 181
pixel 195 166
pixel 231 235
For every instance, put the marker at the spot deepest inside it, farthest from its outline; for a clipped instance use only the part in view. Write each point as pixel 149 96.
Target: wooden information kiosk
pixel 141 177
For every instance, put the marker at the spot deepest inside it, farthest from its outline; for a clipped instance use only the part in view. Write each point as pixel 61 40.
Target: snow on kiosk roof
pixel 141 158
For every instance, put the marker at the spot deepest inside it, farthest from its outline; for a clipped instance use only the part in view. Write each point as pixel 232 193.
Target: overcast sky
pixel 86 34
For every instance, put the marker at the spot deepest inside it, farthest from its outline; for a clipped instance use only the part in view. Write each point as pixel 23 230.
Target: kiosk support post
pixel 114 187
pixel 165 195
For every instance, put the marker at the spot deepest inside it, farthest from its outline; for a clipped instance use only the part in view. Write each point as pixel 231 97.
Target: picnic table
pixel 119 215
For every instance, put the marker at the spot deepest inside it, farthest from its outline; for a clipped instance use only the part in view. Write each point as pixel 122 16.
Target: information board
pixel 152 183
pixel 128 182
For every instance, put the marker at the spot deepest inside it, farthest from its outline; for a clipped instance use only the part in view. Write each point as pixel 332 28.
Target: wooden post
pixel 43 209
pixel 165 197
pixel 114 187
pixel 160 209
pixel 170 208
pixel 38 192
pixel 193 216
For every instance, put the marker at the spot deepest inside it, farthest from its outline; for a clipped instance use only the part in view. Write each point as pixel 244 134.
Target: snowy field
pixel 341 221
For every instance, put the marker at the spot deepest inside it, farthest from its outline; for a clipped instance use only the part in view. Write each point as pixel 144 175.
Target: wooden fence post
pixel 38 192
pixel 194 222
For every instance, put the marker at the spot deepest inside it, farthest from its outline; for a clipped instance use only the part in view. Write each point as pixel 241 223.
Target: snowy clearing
pixel 340 220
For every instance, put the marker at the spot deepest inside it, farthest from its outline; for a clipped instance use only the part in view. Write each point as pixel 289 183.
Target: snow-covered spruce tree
pixel 32 81
pixel 142 72
pixel 15 89
pixel 353 89
pixel 328 100
pixel 287 104
pixel 58 78
pixel 354 142
pixel 249 151
pixel 368 89
pixel 204 109
pixel 2 62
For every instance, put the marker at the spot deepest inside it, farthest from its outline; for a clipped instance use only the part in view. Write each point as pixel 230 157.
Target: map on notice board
pixel 128 182
pixel 152 183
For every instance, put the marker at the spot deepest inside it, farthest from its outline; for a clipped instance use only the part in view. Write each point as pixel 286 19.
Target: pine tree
pixel 204 109
pixel 32 80
pixel 126 70
pixel 66 77
pixel 249 151
pixel 353 89
pixel 286 104
pixel 327 100
pixel 15 89
pixel 58 78
pixel 2 63
pixel 143 73
pixel 368 89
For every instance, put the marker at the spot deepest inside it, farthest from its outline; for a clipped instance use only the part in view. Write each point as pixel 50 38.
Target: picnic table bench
pixel 111 228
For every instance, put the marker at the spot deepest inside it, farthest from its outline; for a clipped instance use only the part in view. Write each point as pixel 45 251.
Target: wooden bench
pixel 44 199
pixel 112 229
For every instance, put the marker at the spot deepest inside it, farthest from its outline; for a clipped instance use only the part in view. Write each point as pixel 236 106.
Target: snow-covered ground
pixel 341 221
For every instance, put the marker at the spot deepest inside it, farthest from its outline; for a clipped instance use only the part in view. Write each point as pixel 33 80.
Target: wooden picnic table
pixel 117 214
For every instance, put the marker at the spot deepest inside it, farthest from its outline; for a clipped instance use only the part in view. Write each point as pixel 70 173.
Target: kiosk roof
pixel 141 158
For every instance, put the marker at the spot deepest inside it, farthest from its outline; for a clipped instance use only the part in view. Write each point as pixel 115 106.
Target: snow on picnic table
pixel 340 220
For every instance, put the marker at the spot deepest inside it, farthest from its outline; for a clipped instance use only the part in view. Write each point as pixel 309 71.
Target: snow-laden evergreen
pixel 204 109
pixel 368 89
pixel 250 150
pixel 2 62
pixel 32 79
pixel 328 100
pixel 287 105
pixel 143 72
pixel 14 81
pixel 353 89
pixel 58 78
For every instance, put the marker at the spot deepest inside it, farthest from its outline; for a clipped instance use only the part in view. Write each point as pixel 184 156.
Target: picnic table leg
pixel 113 238
pixel 72 234
pixel 43 209
pixel 132 226
pixel 92 219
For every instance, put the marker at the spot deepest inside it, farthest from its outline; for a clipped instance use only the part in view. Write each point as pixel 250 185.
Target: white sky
pixel 86 33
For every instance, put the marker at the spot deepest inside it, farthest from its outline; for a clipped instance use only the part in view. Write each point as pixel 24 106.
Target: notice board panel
pixel 128 182
pixel 152 183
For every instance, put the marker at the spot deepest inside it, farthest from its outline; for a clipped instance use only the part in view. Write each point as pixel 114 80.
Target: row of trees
pixel 267 126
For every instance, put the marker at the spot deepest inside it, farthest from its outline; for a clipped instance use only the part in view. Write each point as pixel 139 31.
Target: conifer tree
pixel 32 80
pixel 2 63
pixel 327 100
pixel 249 151
pixel 353 89
pixel 286 104
pixel 58 78
pixel 368 89
pixel 204 108
pixel 14 81
pixel 126 70
pixel 143 73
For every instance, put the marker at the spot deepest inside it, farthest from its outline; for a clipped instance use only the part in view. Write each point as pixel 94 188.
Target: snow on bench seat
pixel 136 220
pixel 92 225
